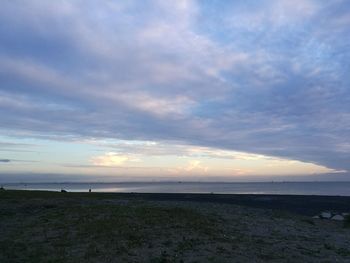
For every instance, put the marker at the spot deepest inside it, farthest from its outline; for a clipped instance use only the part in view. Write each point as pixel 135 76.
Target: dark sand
pixel 300 204
pixel 38 226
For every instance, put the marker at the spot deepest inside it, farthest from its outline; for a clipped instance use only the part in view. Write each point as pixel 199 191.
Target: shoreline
pixel 266 188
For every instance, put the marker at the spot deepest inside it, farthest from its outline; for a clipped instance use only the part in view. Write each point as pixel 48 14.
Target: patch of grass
pixel 328 246
pixel 308 221
pixel 267 256
pixel 347 221
pixel 96 232
pixel 185 245
pixel 343 252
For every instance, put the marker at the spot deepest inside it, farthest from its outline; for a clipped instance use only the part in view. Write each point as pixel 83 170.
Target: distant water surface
pixel 290 188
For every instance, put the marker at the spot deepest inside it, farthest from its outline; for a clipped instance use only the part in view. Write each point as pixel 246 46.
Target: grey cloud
pixel 278 89
pixel 12 161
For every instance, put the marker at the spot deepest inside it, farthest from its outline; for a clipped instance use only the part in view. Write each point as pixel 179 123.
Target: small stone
pixel 338 218
pixel 316 217
pixel 326 215
pixel 344 214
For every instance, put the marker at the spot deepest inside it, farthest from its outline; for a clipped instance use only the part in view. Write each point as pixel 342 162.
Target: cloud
pixel 109 159
pixel 165 158
pixel 196 165
pixel 169 107
pixel 193 167
pixel 112 159
pixel 268 78
pixel 156 149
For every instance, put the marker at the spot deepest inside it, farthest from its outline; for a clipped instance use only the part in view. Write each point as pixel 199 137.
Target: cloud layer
pixel 266 77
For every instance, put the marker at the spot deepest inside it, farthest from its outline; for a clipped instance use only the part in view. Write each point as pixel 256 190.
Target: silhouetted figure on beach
pixel 90 190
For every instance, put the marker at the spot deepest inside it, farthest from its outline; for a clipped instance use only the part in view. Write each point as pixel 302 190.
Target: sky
pixel 174 90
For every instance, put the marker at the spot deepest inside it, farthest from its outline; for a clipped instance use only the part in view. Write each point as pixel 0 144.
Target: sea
pixel 279 188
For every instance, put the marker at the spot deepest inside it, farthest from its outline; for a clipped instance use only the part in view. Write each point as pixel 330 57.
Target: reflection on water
pixel 296 188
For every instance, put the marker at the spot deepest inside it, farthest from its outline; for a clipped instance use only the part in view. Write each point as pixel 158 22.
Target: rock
pixel 326 215
pixel 344 214
pixel 63 191
pixel 338 218
pixel 316 217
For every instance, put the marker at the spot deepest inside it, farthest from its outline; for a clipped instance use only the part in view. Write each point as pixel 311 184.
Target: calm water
pixel 294 188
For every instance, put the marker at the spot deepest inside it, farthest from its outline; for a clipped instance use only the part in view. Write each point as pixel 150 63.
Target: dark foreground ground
pixel 81 227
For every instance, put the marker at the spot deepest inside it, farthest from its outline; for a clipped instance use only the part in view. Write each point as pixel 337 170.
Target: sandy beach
pixel 81 227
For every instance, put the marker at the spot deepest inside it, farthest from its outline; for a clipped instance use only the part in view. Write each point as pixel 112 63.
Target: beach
pixel 43 226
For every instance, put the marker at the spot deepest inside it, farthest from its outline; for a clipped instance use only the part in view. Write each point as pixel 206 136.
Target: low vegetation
pixel 347 221
pixel 68 227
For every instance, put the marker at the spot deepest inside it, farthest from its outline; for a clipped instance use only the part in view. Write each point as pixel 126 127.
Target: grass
pixel 55 230
pixel 39 226
pixel 347 221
